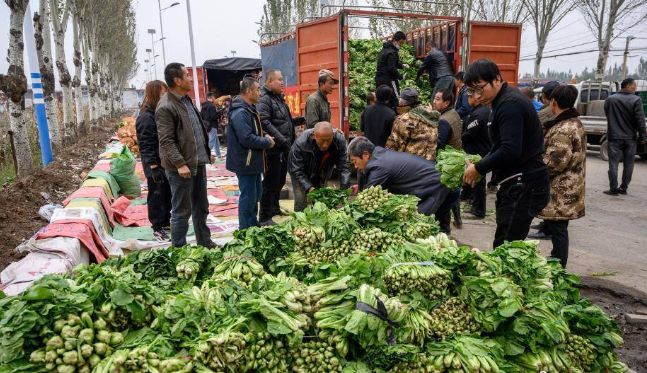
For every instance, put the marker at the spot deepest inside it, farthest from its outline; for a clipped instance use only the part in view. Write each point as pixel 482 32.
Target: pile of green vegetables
pixel 451 164
pixel 331 290
pixel 362 66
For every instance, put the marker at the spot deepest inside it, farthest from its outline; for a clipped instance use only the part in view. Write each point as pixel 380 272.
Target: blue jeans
pixel 214 143
pixel 189 199
pixel 251 190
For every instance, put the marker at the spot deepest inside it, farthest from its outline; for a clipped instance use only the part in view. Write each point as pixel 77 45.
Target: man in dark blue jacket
pixel 516 155
pixel 246 150
pixel 403 173
pixel 463 107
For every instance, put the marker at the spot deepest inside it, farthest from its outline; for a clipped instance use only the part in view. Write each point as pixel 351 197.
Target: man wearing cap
pixel 317 106
pixel 415 129
pixel 545 112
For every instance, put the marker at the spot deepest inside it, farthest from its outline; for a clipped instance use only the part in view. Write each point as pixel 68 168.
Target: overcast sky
pixel 221 26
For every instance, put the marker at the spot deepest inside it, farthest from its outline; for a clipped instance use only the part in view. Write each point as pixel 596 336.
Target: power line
pixel 561 49
pixel 580 52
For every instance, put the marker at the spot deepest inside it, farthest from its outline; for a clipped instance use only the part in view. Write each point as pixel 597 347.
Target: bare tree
pixel 382 27
pixel 280 17
pixel 78 66
pixel 14 84
pixel 60 11
pixel 43 36
pixel 608 19
pixel 545 15
pixel 511 11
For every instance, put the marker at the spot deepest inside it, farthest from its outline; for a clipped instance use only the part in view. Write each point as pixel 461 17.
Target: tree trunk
pixel 76 83
pixel 64 78
pixel 16 86
pixel 43 37
pixel 538 57
pixel 88 79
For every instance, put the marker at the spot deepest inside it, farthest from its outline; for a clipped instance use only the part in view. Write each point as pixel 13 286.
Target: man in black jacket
pixel 278 123
pixel 625 121
pixel 476 140
pixel 211 116
pixel 403 173
pixel 312 158
pixel 377 119
pixel 437 66
pixel 388 63
pixel 516 155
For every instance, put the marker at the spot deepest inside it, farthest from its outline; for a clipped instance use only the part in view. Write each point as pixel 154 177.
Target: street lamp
pixel 152 32
pixel 233 53
pixel 195 67
pixel 159 4
pixel 147 62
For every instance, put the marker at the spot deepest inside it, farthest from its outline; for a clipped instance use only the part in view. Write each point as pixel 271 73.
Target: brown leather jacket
pixel 176 137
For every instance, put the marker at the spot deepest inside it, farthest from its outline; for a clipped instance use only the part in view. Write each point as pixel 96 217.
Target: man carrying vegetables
pixel 403 173
pixel 311 161
pixel 517 144
pixel 565 143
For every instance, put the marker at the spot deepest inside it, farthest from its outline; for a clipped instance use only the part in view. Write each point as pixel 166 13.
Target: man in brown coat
pixel 415 129
pixel 565 144
pixel 184 152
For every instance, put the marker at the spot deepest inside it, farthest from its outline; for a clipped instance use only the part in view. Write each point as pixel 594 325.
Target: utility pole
pixel 624 58
pixel 195 67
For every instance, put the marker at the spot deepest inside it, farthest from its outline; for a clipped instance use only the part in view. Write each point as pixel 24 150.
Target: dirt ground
pixel 616 304
pixel 20 201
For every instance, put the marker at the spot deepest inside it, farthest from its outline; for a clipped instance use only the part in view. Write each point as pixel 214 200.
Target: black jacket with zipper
pixel 149 144
pixel 302 161
pixel 625 116
pixel 276 120
pixel 388 63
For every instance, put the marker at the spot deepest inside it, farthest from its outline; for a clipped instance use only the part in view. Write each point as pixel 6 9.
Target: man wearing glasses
pixel 516 154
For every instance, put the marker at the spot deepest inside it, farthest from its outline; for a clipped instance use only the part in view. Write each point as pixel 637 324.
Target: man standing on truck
pixel 317 105
pixel 388 63
pixel 516 155
pixel 625 121
pixel 278 123
pixel 437 66
pixel 312 158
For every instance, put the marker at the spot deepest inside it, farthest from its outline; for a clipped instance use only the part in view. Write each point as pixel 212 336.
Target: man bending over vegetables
pixel 403 173
pixel 311 161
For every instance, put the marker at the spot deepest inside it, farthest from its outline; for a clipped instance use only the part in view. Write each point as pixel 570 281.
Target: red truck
pixel 323 44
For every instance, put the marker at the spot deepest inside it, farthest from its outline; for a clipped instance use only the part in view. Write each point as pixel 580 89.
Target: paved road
pixel 612 237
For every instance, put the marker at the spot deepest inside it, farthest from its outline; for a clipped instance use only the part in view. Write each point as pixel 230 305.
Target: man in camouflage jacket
pixel 415 131
pixel 565 144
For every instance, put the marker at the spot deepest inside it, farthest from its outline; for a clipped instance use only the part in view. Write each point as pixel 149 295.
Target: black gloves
pixel 158 175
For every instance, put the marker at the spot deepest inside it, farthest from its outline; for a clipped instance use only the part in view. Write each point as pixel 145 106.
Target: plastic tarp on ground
pixel 233 64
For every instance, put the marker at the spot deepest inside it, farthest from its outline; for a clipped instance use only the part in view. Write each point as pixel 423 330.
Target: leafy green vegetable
pixel 330 197
pixel 450 163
